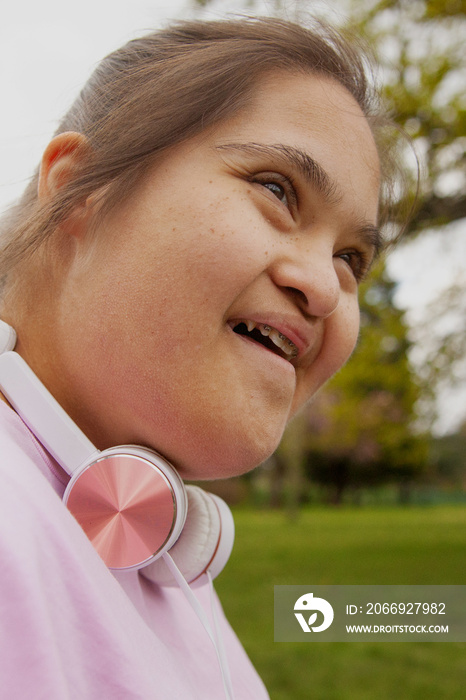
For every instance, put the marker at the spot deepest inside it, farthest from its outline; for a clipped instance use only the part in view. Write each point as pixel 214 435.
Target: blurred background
pixel 369 483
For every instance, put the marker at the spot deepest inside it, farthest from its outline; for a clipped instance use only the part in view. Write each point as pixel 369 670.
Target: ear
pixel 60 158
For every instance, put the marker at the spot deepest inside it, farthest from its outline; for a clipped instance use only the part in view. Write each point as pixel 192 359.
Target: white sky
pixel 48 48
pixel 424 269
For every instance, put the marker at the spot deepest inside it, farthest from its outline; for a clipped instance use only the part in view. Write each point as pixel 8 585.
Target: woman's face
pixel 215 302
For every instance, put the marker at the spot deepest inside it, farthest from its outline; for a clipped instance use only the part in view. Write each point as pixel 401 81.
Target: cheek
pixel 342 337
pixel 339 340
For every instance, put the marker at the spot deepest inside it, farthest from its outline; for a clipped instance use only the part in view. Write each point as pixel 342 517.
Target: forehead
pixel 313 106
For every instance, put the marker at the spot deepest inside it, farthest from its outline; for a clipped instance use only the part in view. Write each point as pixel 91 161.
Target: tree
pixel 362 426
pixel 420 46
pixel 448 458
pixel 439 348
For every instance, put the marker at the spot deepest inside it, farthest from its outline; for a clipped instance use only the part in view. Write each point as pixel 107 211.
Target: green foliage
pixel 444 352
pixel 448 456
pixel 361 427
pixel 420 46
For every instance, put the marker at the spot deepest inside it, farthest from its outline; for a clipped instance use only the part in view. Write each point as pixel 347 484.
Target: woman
pixel 182 273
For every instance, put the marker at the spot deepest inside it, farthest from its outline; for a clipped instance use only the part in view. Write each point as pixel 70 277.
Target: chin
pixel 222 461
pixel 216 444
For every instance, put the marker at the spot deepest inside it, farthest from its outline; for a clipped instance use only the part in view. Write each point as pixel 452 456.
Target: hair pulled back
pixel 164 88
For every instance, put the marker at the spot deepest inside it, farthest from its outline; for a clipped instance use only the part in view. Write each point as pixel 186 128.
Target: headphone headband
pixel 43 414
pixel 7 337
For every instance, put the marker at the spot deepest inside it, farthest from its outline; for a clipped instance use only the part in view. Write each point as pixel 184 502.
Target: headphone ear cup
pixel 130 502
pixel 205 542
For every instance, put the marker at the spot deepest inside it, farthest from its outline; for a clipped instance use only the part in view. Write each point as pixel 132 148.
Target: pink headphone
pixel 129 500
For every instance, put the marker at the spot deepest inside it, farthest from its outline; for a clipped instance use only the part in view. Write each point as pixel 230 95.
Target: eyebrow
pixel 373 237
pixel 314 174
pixel 301 161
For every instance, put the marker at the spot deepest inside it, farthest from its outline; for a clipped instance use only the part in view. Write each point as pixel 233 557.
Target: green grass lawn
pixel 347 546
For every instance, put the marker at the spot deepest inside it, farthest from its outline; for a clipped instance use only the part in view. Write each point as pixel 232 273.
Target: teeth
pixel 281 341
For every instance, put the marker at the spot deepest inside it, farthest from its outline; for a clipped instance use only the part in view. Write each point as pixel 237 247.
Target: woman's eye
pixel 357 262
pixel 280 186
pixel 278 191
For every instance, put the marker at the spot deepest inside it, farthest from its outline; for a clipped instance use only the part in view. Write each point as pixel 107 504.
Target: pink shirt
pixel 70 628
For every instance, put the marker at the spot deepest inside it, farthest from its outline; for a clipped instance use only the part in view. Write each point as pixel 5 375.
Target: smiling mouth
pixel 267 336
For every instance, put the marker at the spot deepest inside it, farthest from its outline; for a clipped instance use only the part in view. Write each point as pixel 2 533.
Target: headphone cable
pixel 216 638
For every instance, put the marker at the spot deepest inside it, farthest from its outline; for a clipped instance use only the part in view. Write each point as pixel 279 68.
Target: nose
pixel 310 278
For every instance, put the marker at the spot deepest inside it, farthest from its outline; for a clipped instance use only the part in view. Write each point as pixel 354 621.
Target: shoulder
pixel 34 523
pixel 53 588
pixel 25 490
pixel 21 453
